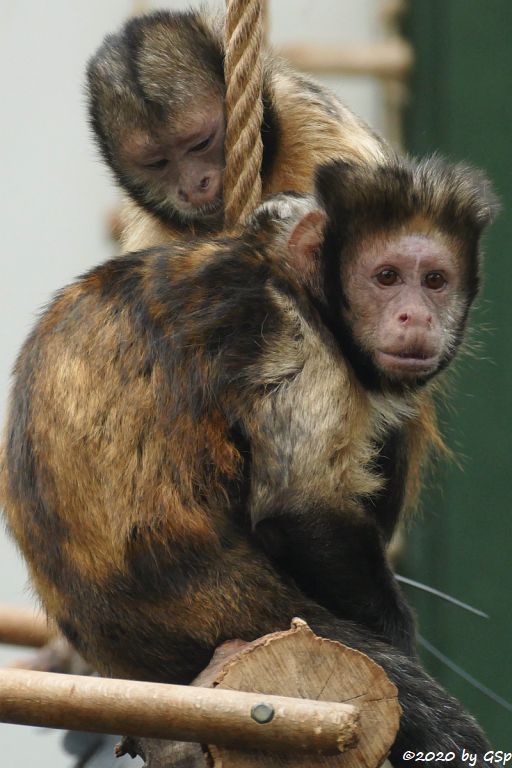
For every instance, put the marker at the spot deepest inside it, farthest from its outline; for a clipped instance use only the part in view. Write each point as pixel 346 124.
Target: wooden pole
pixel 391 59
pixel 225 717
pixel 23 626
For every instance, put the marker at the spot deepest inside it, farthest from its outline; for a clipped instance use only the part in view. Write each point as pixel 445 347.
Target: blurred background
pixel 454 98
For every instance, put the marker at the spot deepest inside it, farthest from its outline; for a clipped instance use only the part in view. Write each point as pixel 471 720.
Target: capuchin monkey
pixel 174 408
pixel 156 103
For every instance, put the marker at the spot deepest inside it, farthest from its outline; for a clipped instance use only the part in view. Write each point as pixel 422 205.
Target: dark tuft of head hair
pixel 361 198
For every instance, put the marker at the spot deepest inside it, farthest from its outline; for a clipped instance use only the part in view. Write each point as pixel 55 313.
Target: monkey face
pixel 176 167
pixel 156 93
pixel 400 264
pixel 397 300
pixel 404 308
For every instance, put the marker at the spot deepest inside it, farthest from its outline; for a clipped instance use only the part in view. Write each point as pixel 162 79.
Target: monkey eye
pixel 387 277
pixel 202 144
pixel 157 165
pixel 435 281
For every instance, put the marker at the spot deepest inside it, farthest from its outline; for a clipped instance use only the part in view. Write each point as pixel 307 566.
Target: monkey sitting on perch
pixel 191 451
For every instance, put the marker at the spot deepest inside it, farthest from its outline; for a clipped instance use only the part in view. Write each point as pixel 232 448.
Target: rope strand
pixel 244 109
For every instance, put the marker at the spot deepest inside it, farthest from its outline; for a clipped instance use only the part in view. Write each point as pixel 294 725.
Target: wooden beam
pixel 23 626
pixel 390 59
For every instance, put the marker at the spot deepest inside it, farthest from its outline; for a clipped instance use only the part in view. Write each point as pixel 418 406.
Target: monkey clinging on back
pixel 156 102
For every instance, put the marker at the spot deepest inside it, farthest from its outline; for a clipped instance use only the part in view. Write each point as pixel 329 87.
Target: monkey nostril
pixel 204 183
pixel 403 317
pixel 183 195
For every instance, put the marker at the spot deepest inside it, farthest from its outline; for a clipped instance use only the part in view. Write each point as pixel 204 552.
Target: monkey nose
pixel 410 318
pixel 206 190
pixel 183 195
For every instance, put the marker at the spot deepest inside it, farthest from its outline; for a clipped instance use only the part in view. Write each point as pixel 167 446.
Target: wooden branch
pixel 23 626
pixel 232 718
pixel 390 59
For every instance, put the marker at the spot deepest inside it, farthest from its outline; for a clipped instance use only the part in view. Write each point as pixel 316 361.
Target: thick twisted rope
pixel 244 109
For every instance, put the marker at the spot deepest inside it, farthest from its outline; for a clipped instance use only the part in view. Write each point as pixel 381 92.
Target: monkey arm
pixel 393 465
pixel 340 562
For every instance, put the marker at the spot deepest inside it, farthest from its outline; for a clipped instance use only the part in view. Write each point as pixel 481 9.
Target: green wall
pixel 461 105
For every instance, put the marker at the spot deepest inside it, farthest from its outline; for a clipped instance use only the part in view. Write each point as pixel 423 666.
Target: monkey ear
pixel 305 242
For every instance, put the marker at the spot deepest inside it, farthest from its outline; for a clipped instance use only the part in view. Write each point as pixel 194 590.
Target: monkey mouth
pixel 415 361
pixel 208 210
